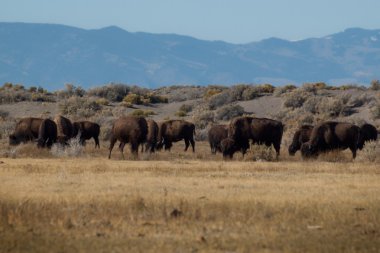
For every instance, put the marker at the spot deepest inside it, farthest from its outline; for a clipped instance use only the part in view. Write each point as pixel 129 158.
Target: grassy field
pixel 184 202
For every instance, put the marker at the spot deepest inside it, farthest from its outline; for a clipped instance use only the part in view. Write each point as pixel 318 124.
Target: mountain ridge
pixel 51 55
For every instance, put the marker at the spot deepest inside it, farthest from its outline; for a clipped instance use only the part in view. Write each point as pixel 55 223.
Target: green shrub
pixel 181 113
pixel 211 92
pixel 133 99
pixel 143 113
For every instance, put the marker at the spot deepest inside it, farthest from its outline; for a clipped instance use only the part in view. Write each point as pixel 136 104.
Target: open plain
pixel 185 202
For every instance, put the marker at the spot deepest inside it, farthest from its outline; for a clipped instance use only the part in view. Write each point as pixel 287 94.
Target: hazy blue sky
pixel 237 21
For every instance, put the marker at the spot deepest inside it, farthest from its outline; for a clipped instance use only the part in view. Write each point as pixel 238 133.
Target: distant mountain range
pixel 51 55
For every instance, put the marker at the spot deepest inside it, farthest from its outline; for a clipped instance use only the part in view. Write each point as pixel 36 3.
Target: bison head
pixel 13 140
pixel 308 150
pixel 228 147
pixel 293 148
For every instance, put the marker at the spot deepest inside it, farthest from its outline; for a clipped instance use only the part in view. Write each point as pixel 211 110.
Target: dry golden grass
pixel 185 202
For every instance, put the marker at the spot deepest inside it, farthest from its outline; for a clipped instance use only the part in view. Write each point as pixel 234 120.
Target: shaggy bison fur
pixel 175 130
pixel 301 136
pixel 331 135
pixel 129 129
pixel 86 131
pixel 215 136
pixel 47 133
pixel 367 133
pixel 26 130
pixel 258 130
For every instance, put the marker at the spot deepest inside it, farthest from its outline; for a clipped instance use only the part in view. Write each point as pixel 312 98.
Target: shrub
pixel 3 115
pixel 370 152
pixel 13 93
pixel 219 100
pixel 70 91
pixel 186 108
pixel 228 112
pixel 155 99
pixel 357 101
pixel 143 113
pixel 332 107
pixel 266 88
pixel 375 85
pixel 309 87
pixel 311 105
pixel 73 149
pixel 112 92
pixel 211 92
pixel 203 119
pixel 181 114
pixel 79 106
pixel 133 99
pixel 284 89
pixel 251 92
pixel 262 153
pixel 102 101
pixel 375 111
pixel 295 99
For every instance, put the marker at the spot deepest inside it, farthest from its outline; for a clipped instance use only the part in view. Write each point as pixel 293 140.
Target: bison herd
pixel 237 136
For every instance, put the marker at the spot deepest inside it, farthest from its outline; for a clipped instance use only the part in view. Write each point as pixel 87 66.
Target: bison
pixel 86 131
pixel 64 129
pixel 215 135
pixel 47 133
pixel 228 147
pixel 151 138
pixel 128 129
pixel 175 130
pixel 258 130
pixel 367 133
pixel 26 130
pixel 331 135
pixel 301 136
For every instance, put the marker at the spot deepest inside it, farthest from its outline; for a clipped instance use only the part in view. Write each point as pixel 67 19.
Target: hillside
pixel 203 105
pixel 51 55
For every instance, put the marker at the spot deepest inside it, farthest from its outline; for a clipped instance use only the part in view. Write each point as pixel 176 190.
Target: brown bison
pixel 329 136
pixel 301 136
pixel 367 133
pixel 26 130
pixel 175 130
pixel 215 136
pixel 128 129
pixel 228 147
pixel 151 138
pixel 64 129
pixel 47 133
pixel 86 131
pixel 259 130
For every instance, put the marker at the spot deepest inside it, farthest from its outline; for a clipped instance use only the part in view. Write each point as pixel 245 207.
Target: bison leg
pixel 134 149
pixel 187 144
pixel 97 145
pixel 49 143
pixel 168 145
pixel 193 144
pixel 353 150
pixel 121 148
pixel 112 143
pixel 277 147
pixel 213 149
